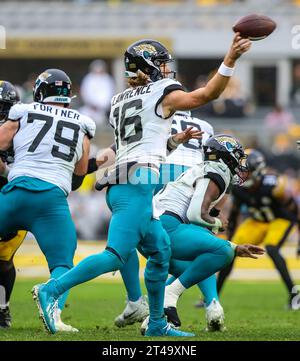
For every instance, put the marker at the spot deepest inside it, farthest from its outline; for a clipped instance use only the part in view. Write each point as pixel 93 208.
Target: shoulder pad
pixel 17 111
pixel 88 126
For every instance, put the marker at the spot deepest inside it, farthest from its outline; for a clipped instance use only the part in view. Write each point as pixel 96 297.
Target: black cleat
pixel 5 318
pixel 172 316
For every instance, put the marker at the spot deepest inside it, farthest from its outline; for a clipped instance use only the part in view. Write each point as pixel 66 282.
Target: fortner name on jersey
pixel 141 132
pixel 49 142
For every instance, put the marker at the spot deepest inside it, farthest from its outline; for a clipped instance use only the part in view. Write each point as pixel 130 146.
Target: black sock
pixel 223 274
pixel 281 266
pixel 7 277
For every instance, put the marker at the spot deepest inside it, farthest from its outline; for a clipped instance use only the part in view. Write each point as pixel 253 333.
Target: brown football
pixel 254 26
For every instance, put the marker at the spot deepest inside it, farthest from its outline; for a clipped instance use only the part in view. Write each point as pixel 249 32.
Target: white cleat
pixel 144 326
pixel 62 327
pixel 134 312
pixel 215 317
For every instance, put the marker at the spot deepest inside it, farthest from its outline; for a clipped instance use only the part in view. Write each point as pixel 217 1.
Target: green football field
pixel 254 311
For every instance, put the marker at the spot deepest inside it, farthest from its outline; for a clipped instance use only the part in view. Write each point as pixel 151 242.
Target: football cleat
pixel 162 328
pixel 47 306
pixel 5 318
pixel 62 327
pixel 172 316
pixel 215 317
pixel 134 312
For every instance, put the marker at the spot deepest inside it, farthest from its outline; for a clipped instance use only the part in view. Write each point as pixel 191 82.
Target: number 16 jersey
pixel 49 142
pixel 141 131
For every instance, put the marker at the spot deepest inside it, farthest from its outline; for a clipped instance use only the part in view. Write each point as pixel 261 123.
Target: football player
pixel 50 142
pixel 142 117
pixel 272 214
pixel 181 157
pixel 10 243
pixel 191 218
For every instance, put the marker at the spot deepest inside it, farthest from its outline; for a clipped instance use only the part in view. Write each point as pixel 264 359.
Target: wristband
pixel 172 144
pixel 217 225
pixel 233 245
pixel 225 70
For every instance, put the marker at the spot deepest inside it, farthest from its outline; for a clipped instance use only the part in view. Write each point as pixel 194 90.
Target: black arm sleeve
pixel 78 179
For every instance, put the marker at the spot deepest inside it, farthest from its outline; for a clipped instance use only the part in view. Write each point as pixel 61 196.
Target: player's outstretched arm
pixel 7 133
pixel 183 137
pixel 180 100
pixel 248 250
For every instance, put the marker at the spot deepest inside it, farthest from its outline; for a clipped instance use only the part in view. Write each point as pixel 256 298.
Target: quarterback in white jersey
pixel 141 117
pixel 50 142
pixel 137 119
pixel 191 219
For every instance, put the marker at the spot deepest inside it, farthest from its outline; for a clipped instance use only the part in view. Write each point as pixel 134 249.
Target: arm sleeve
pixel 77 180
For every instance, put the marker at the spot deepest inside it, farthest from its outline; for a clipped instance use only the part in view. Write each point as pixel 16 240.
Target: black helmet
pixel 53 86
pixel 256 164
pixel 8 97
pixel 146 55
pixel 230 151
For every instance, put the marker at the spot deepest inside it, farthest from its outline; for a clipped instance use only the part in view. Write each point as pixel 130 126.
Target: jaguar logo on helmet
pixel 146 50
pixel 44 76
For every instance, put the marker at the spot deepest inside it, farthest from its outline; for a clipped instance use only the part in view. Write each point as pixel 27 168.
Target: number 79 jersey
pixel 49 142
pixel 141 131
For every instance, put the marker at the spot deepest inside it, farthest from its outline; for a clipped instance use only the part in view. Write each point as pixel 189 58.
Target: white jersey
pixel 49 142
pixel 181 196
pixel 190 153
pixel 141 132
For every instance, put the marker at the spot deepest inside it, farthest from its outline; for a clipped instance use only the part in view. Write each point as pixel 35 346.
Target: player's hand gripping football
pixel 186 135
pixel 248 250
pixel 238 47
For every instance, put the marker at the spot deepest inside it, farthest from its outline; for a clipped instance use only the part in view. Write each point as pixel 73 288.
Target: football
pixel 254 26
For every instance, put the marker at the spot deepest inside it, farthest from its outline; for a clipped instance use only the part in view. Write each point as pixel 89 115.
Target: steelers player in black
pixel 8 246
pixel 272 214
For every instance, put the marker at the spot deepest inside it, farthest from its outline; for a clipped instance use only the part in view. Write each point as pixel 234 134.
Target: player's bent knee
pixel 119 260
pixel 228 254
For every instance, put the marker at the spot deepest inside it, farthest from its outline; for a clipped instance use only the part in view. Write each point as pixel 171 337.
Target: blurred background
pixel 87 38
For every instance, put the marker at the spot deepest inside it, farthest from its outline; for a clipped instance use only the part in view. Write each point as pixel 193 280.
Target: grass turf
pixel 254 311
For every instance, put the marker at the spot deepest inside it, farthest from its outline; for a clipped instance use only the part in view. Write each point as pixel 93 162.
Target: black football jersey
pixel 261 204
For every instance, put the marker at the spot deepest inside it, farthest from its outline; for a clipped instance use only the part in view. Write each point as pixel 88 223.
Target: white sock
pixel 4 306
pixel 172 293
